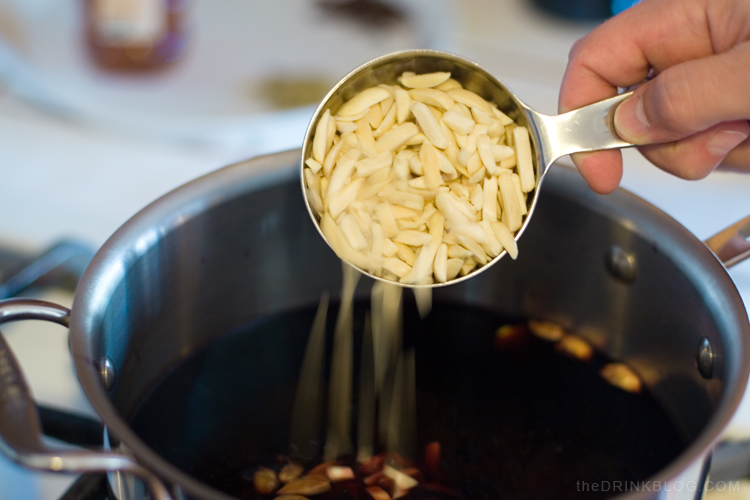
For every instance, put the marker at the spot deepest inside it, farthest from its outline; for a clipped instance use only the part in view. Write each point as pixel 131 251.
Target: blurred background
pixel 107 104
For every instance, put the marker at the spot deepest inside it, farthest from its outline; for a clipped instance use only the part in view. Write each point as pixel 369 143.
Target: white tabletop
pixel 83 176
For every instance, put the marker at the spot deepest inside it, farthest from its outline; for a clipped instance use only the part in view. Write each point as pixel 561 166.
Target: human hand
pixel 692 114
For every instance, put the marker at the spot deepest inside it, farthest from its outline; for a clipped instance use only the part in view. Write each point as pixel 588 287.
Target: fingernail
pixel 723 142
pixel 630 120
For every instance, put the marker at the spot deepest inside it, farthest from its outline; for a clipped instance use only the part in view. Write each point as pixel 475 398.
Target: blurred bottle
pixel 135 35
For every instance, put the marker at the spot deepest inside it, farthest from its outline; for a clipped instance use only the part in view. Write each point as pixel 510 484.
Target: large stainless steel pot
pixel 236 244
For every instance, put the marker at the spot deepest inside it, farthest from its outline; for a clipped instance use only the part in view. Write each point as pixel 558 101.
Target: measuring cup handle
pixel 732 245
pixel 590 128
pixel 20 430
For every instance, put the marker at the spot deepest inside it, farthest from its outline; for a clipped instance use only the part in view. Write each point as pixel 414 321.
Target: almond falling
pixel 420 182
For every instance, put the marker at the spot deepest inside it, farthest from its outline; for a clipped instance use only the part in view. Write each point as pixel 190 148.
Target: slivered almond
pixel 378 493
pixel 290 471
pixel 314 165
pixel 496 130
pixel 459 252
pixel 446 166
pixel 506 238
pixel 433 97
pixel 413 238
pixel 492 244
pixel 307 485
pixel 341 199
pixel 508 163
pixel 453 267
pixel 396 137
pixel 452 147
pixel 405 253
pixel 352 232
pixel 469 99
pixel 342 171
pixel 440 266
pixel 501 152
pixel 338 473
pixel 511 216
pixel 377 238
pixel 422 267
pixel 546 330
pixel 481 117
pixel 429 125
pixel 474 163
pixel 369 166
pixel 520 195
pixel 388 121
pixel 312 179
pixel 450 211
pixel 322 140
pixel 400 212
pixel 622 376
pixel 474 247
pixel 265 481
pixel 471 230
pixel 403 103
pixel 415 165
pixel 351 118
pixel 450 83
pixel 374 116
pixel 469 265
pixel 484 149
pixel 471 139
pixel 476 197
pixel 458 123
pixel 489 200
pixel 425 80
pixel 460 190
pixel 430 164
pixel 462 110
pixel 396 266
pixel 464 206
pixel 436 225
pixel 401 168
pixel 316 202
pixel 504 119
pixel 365 138
pixel 478 176
pixel 387 104
pixel 523 158
pixel 362 101
pixel 403 198
pixel 389 248
pixel 416 139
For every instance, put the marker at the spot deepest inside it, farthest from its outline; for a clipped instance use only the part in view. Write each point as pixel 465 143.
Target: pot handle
pixel 732 245
pixel 20 428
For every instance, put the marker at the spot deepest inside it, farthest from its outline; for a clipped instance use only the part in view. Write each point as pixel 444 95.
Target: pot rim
pixel 134 238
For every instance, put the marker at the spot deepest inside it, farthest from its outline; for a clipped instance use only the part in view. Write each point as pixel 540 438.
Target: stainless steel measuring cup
pixel 589 128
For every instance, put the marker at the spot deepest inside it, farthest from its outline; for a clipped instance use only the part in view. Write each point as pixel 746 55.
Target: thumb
pixel 687 98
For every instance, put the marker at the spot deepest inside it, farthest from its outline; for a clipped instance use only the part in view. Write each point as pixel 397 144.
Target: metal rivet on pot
pixel 107 371
pixel 704 357
pixel 621 264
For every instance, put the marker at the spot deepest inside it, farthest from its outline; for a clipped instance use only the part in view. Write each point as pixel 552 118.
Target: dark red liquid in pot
pixel 515 420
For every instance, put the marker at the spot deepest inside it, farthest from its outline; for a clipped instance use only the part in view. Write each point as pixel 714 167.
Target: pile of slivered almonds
pixel 419 182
